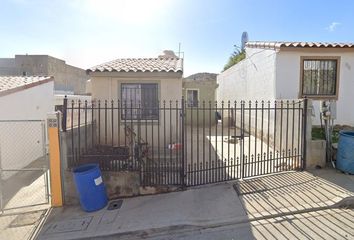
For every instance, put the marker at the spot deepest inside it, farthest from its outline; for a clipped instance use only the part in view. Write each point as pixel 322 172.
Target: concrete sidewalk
pixel 200 208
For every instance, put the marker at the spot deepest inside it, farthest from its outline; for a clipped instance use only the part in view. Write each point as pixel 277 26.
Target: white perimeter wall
pixel 288 81
pixel 251 79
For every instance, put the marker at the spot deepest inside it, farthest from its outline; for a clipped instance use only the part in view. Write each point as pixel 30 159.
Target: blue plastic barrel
pixel 91 189
pixel 345 152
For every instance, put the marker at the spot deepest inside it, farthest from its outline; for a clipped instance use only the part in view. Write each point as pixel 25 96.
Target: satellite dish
pixel 244 39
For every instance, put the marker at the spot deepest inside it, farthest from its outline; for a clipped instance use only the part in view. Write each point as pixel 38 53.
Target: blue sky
pixel 89 32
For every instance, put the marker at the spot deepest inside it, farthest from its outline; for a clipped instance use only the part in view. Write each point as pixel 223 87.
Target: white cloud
pixel 333 26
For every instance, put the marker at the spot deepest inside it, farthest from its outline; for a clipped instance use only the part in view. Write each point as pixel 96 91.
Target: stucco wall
pixel 8 67
pixel 68 78
pixel 253 78
pixel 288 80
pixel 207 93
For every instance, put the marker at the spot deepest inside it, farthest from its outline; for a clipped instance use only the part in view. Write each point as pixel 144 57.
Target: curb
pixel 346 202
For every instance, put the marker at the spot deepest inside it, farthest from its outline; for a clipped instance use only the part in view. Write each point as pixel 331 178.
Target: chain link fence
pixel 24 191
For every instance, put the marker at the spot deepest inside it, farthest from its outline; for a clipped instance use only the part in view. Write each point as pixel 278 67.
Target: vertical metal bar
pixel 152 163
pixel 249 139
pixel 262 167
pixel 183 145
pixel 191 144
pixel 72 133
pixel 299 132
pixel 275 136
pixel 216 144
pixel 177 161
pixel 105 122
pixel 268 133
pixel 164 140
pixel 147 163
pixel 158 149
pixel 242 144
pixel 46 165
pixel 235 174
pixel 65 113
pixel 92 123
pixel 222 170
pixel 125 122
pixel 78 127
pixel 99 122
pixel 85 125
pixel 255 167
pixel 139 152
pixel 304 134
pixel 209 144
pixel 281 137
pixel 293 134
pixel 112 122
pixel 203 166
pixel 119 108
pixel 228 140
pixel 170 162
pixel 197 169
pixel 287 134
pixel 132 128
pixel 1 185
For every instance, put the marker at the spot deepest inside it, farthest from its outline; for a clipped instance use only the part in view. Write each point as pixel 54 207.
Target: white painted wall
pixel 30 104
pixel 288 80
pixel 22 142
pixel 253 78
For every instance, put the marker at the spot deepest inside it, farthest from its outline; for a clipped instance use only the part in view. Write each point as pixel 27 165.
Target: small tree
pixel 236 57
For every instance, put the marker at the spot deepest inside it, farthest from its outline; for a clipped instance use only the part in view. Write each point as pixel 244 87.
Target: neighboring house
pixel 199 90
pixel 26 98
pixel 23 101
pixel 142 83
pixel 291 70
pixel 68 79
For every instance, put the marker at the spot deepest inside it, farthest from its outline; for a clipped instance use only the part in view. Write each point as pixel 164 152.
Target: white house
pixel 26 98
pixel 23 102
pixel 292 70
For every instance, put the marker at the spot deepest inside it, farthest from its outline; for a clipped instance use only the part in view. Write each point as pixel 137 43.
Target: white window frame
pixel 188 102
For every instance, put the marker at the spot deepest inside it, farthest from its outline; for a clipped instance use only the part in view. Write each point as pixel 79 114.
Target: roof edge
pixel 282 45
pixel 27 86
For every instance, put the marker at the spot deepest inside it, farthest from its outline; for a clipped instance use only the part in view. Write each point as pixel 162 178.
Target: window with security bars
pixel 140 101
pixel 192 98
pixel 319 78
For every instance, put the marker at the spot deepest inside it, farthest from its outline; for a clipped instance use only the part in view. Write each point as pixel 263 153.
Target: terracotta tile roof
pixel 10 84
pixel 278 45
pixel 140 65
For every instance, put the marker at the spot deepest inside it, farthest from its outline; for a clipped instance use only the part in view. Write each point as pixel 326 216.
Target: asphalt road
pixel 326 224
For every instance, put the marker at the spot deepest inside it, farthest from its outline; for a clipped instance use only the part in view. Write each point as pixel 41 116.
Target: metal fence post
pixel 1 186
pixel 46 165
pixel 65 109
pixel 183 175
pixel 304 137
pixel 242 142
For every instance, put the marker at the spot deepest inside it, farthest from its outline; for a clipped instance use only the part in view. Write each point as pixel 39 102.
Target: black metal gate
pixel 248 139
pixel 176 143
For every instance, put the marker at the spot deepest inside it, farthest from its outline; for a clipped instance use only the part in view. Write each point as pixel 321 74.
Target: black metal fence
pixel 183 145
